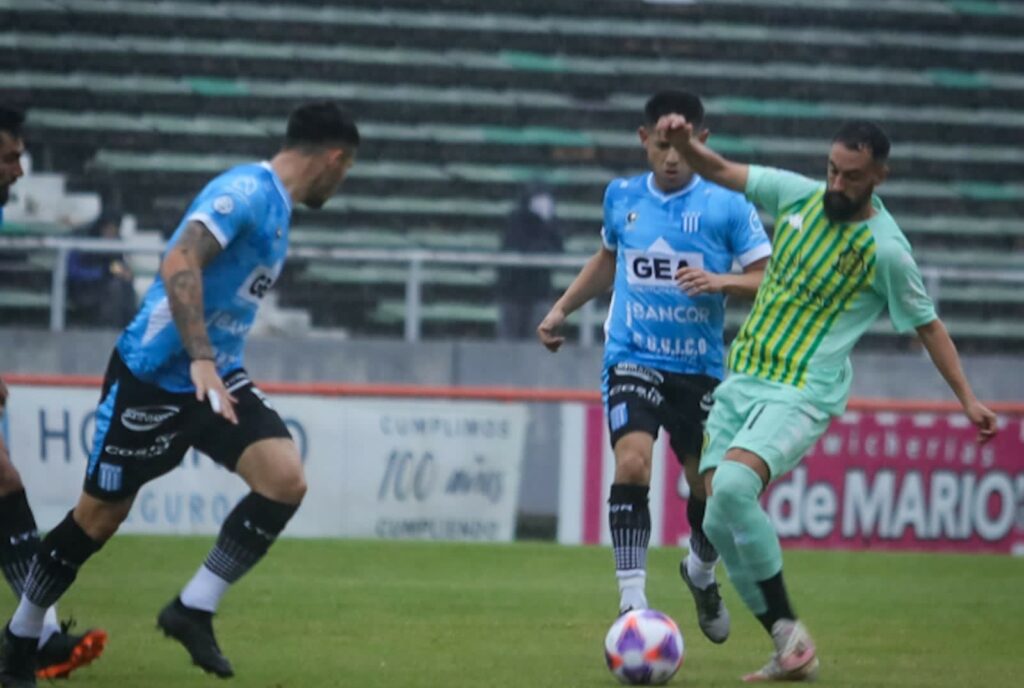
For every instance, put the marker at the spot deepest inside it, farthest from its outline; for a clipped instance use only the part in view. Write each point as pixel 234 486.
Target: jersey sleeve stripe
pixel 211 225
pixel 755 254
pixel 604 240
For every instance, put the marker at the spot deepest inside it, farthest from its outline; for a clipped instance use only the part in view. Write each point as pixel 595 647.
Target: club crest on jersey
pixel 691 222
pixel 850 263
pixel 796 222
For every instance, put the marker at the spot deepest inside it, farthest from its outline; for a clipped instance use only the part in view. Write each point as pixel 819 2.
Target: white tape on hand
pixel 214 401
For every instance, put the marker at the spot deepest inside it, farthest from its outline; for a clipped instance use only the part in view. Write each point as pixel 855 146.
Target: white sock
pixel 701 573
pixel 204 590
pixel 27 621
pixel 631 589
pixel 51 625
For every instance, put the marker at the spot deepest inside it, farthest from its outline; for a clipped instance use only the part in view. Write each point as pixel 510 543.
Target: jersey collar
pixel 277 182
pixel 662 196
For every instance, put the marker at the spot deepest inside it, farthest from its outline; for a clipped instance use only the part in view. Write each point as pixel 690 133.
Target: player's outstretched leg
pixel 734 510
pixel 629 518
pixel 247 533
pixel 697 570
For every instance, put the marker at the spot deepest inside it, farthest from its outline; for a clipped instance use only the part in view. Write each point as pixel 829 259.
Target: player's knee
pixel 288 486
pixel 632 468
pixel 734 487
pixel 293 488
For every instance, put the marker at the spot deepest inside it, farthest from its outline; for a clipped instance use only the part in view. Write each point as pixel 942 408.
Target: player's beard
pixel 840 208
pixel 5 194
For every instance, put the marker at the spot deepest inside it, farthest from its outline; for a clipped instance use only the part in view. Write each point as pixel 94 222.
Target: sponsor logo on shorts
pixel 707 401
pixel 618 416
pixel 633 370
pixel 110 477
pixel 145 418
pixel 648 394
pixel 159 447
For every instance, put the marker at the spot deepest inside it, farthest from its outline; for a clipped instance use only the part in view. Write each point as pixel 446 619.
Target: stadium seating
pixel 460 106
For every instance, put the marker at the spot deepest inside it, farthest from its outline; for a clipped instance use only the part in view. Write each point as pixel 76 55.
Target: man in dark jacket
pixel 524 292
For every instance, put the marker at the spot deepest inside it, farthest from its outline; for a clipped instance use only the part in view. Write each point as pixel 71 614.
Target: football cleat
pixel 712 616
pixel 193 628
pixel 64 652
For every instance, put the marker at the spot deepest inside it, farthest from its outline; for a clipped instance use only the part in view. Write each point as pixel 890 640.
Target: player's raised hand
pixel 695 281
pixel 983 419
pixel 209 387
pixel 548 329
pixel 676 129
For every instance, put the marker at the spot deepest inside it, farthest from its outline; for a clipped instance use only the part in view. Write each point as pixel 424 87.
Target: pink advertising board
pixel 878 480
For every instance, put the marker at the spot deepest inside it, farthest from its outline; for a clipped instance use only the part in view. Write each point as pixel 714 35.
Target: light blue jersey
pixel 651 321
pixel 248 210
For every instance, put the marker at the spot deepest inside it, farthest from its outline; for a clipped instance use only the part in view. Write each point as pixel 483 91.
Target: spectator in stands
pixel 11 148
pixel 101 285
pixel 525 292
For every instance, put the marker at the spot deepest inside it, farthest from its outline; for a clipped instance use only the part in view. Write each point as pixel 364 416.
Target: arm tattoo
pixel 199 243
pixel 185 289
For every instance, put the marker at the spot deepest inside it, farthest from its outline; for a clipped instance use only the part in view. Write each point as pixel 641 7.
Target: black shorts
pixel 143 431
pixel 644 399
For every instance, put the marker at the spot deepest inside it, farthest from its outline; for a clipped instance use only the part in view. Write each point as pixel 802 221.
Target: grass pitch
pixel 388 614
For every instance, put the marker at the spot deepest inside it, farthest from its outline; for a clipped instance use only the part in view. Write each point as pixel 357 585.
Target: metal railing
pixel 415 260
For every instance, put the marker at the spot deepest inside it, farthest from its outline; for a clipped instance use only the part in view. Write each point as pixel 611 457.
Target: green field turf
pixel 344 613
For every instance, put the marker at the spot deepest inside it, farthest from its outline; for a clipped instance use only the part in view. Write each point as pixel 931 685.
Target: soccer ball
pixel 643 648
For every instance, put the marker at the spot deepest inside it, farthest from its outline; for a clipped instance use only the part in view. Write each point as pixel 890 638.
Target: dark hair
pixel 321 123
pixel 857 134
pixel 11 121
pixel 674 102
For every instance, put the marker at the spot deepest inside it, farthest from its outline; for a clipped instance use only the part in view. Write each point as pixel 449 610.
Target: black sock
pixel 19 539
pixel 774 591
pixel 248 532
pixel 699 542
pixel 629 519
pixel 61 554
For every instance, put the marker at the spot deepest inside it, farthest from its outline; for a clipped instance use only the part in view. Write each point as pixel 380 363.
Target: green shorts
pixel 772 420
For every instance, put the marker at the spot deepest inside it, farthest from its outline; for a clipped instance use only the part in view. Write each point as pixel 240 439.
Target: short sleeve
pixel 748 241
pixel 898 281
pixel 609 231
pixel 774 189
pixel 225 212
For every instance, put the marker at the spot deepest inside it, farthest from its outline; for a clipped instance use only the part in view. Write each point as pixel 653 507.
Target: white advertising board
pixel 376 467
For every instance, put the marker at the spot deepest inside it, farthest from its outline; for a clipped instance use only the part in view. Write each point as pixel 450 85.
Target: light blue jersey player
pixel 247 210
pixel 652 321
pixel 176 381
pixel 670 240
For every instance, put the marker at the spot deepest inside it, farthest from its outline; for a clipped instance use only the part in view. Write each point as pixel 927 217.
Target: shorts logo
pixel 110 477
pixel 618 416
pixel 145 418
pixel 223 205
pixel 159 447
pixel 638 371
pixel 707 401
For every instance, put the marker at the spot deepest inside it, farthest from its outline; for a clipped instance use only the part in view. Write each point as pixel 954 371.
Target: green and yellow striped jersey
pixel 824 286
